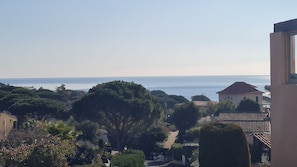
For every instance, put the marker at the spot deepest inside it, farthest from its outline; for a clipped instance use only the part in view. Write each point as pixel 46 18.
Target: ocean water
pixel 186 86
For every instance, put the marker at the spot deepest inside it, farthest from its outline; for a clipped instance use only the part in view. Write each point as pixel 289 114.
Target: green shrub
pixel 248 105
pixel 192 134
pixel 177 151
pixel 128 158
pixel 223 145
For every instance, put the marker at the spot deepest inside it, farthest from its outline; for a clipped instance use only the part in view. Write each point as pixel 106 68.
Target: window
pixel 257 99
pixel 291 57
pixel 290 28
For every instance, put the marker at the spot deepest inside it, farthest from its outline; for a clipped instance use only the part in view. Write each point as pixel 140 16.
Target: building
pixel 283 94
pixel 249 122
pixel 239 91
pixel 7 123
pixel 257 128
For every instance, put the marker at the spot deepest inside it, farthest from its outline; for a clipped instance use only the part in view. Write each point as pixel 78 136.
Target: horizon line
pixel 203 75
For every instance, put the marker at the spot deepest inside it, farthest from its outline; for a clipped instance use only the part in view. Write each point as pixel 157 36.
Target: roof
pixel 249 122
pixel 286 26
pixel 264 138
pixel 252 126
pixel 240 88
pixel 203 103
pixel 243 116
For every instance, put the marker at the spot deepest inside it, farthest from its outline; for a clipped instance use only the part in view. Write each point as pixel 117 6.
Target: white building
pixel 239 91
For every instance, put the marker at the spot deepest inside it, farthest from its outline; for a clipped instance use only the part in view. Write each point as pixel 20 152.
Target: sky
pixel 110 38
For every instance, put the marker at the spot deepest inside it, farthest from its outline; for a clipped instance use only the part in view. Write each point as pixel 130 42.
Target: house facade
pixel 7 123
pixel 239 91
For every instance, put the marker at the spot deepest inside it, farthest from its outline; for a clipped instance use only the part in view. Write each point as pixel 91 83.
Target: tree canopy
pixel 168 101
pixel 248 105
pixel 122 108
pixel 30 102
pixel 129 158
pixel 223 145
pixel 200 98
pixel 185 116
pixel 217 108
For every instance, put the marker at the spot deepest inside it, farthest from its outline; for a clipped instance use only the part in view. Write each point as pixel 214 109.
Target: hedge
pixel 223 145
pixel 128 158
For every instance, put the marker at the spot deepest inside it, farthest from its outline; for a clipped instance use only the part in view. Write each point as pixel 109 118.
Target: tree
pixel 168 101
pixel 192 134
pixel 223 145
pixel 267 88
pixel 193 160
pixel 216 108
pixel 129 158
pixel 248 105
pixel 35 147
pixel 147 141
pixel 61 130
pixel 51 154
pixel 185 116
pixel 200 98
pixel 24 102
pixel 122 108
pixel 90 131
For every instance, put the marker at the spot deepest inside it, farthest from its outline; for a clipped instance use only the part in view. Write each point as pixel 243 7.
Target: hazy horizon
pixel 129 76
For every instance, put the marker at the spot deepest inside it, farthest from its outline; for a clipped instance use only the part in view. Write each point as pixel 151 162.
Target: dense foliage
pixel 128 158
pixel 147 141
pixel 41 145
pixel 168 101
pixel 200 98
pixel 192 135
pixel 248 105
pixel 35 103
pixel 185 116
pixel 124 109
pixel 223 145
pixel 217 108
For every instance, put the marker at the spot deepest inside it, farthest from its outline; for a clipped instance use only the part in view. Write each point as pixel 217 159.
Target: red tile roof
pixel 239 88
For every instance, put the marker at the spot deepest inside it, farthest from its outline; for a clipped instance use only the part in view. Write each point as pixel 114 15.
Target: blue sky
pixel 96 38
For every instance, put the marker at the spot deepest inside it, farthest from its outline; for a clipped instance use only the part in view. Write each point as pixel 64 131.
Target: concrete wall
pixel 7 123
pixel 283 105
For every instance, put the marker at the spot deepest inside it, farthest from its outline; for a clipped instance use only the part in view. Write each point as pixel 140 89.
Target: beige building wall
pixel 236 99
pixel 283 105
pixel 7 123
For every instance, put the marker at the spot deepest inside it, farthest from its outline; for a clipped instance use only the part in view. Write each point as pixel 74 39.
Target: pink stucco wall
pixel 283 106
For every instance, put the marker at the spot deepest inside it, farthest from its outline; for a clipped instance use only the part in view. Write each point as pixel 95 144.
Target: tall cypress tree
pixel 223 145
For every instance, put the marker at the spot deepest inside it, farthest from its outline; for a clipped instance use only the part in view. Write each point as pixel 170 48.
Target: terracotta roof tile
pixel 239 88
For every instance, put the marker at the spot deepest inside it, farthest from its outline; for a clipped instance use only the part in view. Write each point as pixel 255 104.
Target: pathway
pixel 171 139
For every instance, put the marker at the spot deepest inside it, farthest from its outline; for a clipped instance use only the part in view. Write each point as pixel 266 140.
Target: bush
pixel 248 105
pixel 129 158
pixel 177 151
pixel 192 134
pixel 223 145
pixel 200 98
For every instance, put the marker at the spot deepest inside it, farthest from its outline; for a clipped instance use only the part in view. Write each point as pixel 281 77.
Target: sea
pixel 186 86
